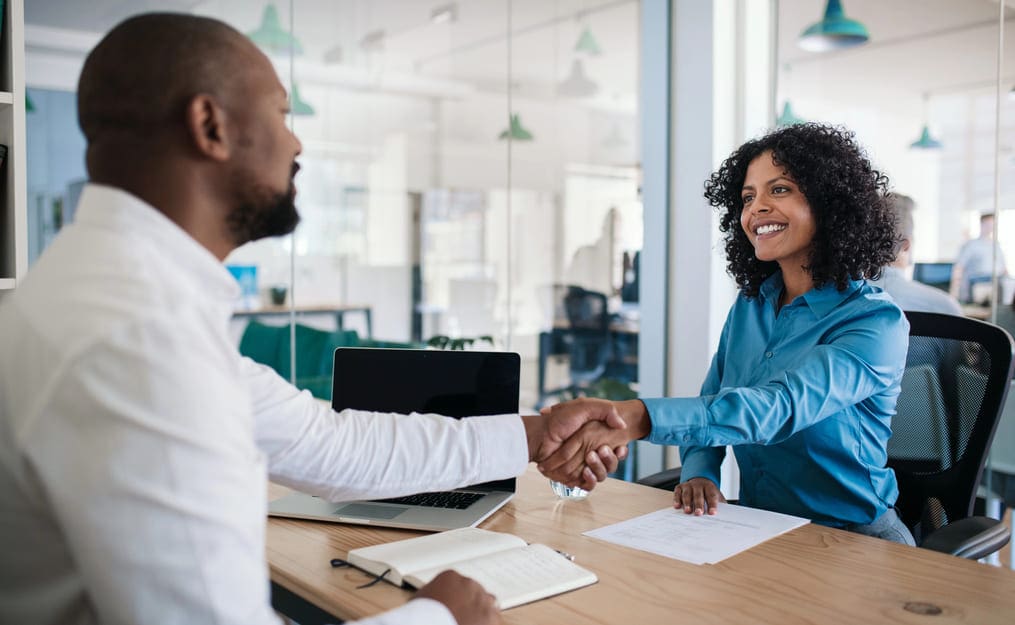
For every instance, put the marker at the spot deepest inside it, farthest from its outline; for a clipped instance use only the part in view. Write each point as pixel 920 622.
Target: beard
pixel 259 212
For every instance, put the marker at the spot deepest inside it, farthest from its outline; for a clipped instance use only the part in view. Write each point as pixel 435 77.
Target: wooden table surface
pixel 811 575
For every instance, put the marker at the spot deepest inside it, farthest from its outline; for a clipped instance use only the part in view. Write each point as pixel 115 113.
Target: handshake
pixel 578 442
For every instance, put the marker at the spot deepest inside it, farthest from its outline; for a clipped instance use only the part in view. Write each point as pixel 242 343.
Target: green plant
pixel 441 341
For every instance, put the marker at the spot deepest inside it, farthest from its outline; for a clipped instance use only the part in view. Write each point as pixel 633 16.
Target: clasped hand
pixel 585 439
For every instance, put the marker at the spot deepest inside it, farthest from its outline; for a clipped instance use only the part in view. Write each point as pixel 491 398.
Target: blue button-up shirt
pixel 806 396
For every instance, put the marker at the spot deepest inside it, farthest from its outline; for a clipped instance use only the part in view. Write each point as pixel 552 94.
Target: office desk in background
pixel 811 575
pixel 337 310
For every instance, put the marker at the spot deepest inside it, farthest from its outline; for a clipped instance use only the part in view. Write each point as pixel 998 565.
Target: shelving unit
pixel 13 197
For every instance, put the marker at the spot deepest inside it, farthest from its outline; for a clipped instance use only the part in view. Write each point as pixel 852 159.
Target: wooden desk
pixel 338 310
pixel 812 575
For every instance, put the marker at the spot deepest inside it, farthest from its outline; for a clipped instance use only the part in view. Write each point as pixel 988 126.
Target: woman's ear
pixel 206 127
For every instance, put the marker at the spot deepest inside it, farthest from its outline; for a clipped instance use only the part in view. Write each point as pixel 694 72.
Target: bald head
pixel 902 206
pixel 139 78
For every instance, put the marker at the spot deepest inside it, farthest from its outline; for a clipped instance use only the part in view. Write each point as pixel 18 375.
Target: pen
pixel 565 554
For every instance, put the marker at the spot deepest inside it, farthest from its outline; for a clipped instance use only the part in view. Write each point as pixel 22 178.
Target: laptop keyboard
pixel 451 499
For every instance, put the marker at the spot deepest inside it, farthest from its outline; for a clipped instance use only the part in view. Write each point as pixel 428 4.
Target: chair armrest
pixel 666 480
pixel 973 537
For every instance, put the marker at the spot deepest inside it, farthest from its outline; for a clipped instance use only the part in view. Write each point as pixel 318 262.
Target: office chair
pixel 588 338
pixel 938 476
pixel 953 390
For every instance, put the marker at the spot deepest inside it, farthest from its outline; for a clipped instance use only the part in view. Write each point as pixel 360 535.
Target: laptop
pixel 452 383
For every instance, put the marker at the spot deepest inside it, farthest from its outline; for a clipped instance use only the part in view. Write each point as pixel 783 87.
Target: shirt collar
pixel 108 207
pixel 821 300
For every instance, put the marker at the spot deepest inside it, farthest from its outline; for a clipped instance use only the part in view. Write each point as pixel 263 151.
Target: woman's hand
pixel 695 493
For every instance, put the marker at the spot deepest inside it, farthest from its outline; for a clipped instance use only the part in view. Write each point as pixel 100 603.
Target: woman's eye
pixel 780 189
pixel 747 198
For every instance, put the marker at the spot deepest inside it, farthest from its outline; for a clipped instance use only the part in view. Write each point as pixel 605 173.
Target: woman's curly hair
pixel 855 227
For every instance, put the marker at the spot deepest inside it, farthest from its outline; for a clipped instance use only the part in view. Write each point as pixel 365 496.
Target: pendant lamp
pixel 577 84
pixel 272 37
pixel 926 141
pixel 515 131
pixel 297 105
pixel 835 31
pixel 788 117
pixel 587 43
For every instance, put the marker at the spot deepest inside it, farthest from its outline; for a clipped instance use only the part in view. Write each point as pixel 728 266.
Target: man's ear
pixel 206 127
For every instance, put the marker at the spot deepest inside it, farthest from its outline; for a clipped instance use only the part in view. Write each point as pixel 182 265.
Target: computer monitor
pixel 937 275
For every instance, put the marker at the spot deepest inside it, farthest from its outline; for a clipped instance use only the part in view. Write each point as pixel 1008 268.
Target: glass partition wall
pixel 466 166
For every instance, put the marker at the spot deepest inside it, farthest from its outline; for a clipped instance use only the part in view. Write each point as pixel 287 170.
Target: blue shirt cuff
pixel 678 421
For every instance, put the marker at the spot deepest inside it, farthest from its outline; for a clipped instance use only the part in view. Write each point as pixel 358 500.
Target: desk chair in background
pixel 315 349
pixel 589 344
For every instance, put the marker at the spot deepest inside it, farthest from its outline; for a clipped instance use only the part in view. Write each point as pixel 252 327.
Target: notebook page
pixel 433 550
pixel 518 576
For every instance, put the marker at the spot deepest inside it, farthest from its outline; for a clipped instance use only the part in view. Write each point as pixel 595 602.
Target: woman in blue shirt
pixel 805 380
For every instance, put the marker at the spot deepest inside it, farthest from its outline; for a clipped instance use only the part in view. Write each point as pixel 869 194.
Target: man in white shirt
pixel 907 293
pixel 135 442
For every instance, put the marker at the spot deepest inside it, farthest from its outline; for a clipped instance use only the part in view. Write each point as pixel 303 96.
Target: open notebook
pixel 505 565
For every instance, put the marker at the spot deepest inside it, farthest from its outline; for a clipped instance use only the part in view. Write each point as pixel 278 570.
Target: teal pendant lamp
pixel 587 43
pixel 834 32
pixel 926 142
pixel 788 117
pixel 515 131
pixel 297 105
pixel 272 37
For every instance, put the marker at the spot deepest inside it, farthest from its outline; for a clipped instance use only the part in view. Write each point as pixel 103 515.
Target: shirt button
pixel 768 354
pixel 687 437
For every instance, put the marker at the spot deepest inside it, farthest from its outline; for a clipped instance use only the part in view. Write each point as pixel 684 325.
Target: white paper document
pixel 705 539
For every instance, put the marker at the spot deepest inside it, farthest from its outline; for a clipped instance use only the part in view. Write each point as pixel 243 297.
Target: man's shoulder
pixel 911 295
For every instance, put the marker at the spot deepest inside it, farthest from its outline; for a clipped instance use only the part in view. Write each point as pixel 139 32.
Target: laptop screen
pixel 451 383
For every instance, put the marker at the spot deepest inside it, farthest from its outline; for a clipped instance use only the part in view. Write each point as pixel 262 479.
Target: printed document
pixel 705 539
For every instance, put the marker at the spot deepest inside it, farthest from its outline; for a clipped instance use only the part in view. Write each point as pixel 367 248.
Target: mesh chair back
pixel 589 334
pixel 954 387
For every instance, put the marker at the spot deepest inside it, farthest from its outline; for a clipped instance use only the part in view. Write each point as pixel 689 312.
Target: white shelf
pixel 6 284
pixel 6 97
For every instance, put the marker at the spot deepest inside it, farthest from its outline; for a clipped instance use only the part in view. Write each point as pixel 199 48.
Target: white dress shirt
pixel 135 441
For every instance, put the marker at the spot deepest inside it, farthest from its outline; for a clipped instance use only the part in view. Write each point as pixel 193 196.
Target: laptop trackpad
pixel 369 511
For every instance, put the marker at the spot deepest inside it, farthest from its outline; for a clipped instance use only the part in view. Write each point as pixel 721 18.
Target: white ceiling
pixel 917 46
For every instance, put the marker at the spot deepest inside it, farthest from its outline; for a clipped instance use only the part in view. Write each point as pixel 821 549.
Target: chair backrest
pixel 588 337
pixel 270 345
pixel 957 376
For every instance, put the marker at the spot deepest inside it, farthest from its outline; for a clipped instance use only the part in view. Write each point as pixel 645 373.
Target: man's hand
pixel 468 602
pixel 697 492
pixel 594 441
pixel 546 432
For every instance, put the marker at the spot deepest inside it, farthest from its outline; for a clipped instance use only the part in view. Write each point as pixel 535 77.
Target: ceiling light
pixel 587 43
pixel 297 105
pixel 515 131
pixel 272 37
pixel 926 142
pixel 444 14
pixel 834 32
pixel 788 117
pixel 577 84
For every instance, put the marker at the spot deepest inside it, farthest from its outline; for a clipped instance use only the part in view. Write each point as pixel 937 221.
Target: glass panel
pixel 463 165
